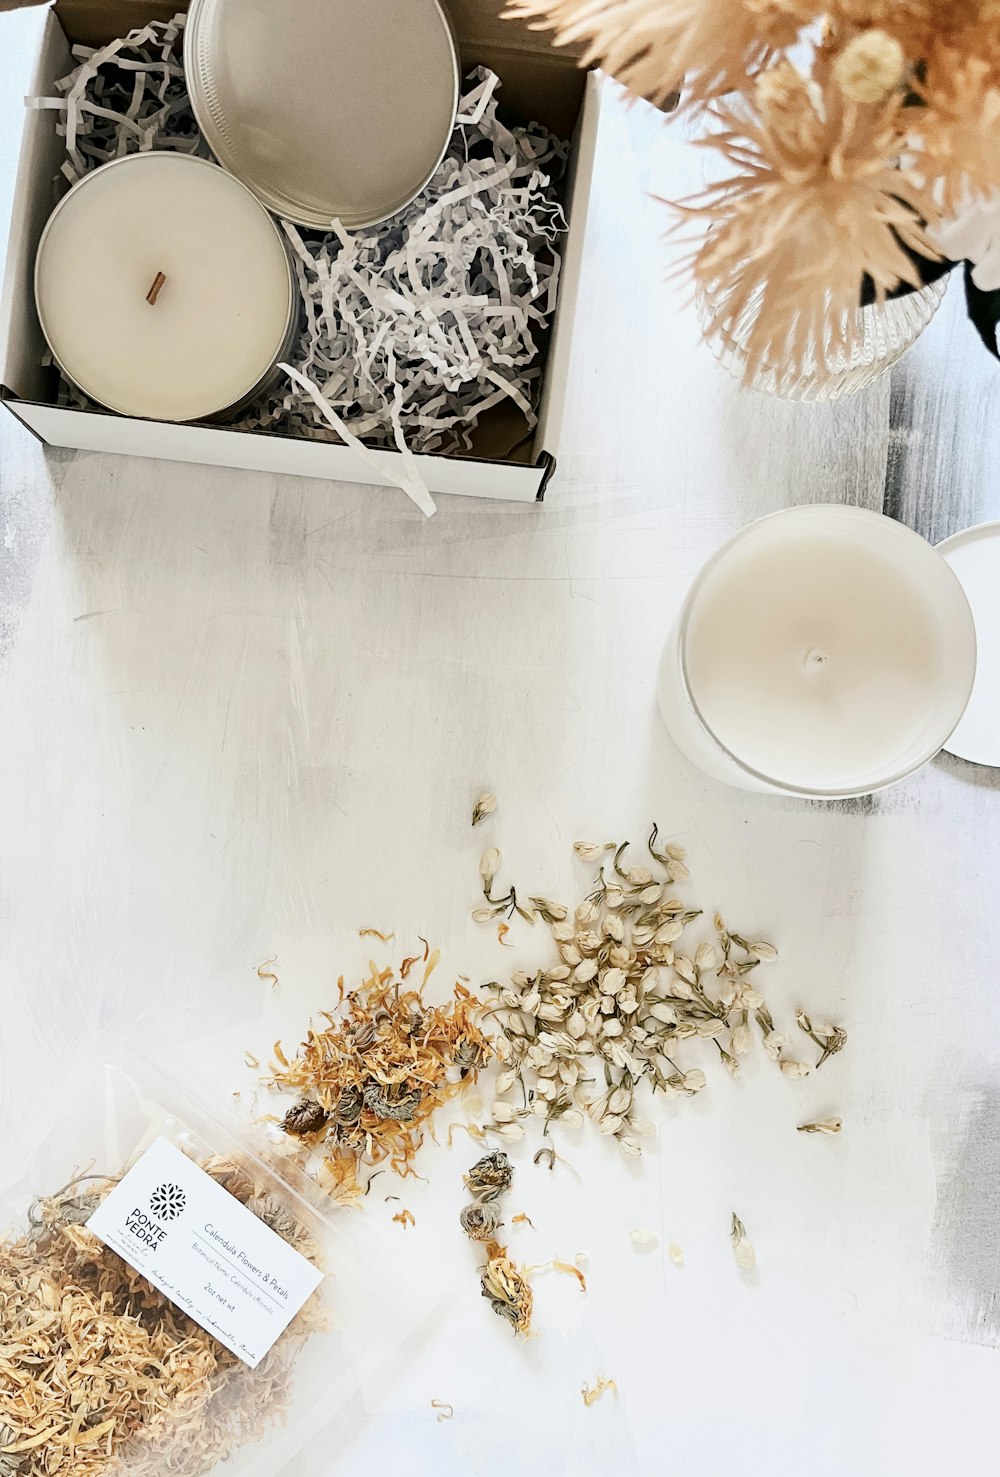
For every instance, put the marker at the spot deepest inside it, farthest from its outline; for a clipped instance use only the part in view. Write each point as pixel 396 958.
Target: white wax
pixel 830 651
pixel 220 320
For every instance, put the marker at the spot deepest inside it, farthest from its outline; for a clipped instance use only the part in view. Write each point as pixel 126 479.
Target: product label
pixel 205 1251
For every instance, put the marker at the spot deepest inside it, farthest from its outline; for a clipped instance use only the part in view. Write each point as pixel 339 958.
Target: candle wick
pixel 815 659
pixel 154 291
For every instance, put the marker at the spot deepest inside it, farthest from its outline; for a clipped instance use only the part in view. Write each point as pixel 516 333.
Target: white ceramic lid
pixel 974 556
pixel 325 108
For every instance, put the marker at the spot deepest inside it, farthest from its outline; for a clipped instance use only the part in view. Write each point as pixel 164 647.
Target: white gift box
pixel 507 460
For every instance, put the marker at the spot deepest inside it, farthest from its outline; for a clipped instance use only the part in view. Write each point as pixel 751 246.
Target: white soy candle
pixel 824 651
pixel 163 287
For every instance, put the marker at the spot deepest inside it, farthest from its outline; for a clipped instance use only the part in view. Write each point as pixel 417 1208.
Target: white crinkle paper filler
pixel 409 331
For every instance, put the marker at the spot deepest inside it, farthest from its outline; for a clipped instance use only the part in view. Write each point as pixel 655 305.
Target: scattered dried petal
pixel 675 1254
pixel 405 1218
pixel 595 1393
pixel 643 1239
pixel 742 1250
pixel 445 1411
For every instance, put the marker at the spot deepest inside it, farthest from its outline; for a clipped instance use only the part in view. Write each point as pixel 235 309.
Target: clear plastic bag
pixel 249 1420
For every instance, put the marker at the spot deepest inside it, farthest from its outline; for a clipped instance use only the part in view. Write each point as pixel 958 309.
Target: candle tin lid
pixel 974 557
pixel 326 109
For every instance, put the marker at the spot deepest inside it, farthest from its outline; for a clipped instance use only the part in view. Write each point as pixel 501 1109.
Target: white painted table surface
pixel 245 715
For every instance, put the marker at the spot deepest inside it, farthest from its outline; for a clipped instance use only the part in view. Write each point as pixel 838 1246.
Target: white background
pixel 243 716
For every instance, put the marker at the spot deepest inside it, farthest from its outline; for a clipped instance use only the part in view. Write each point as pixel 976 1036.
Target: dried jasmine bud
pixel 305 1118
pixel 490 1176
pixel 480 1220
pixel 824 1125
pixel 485 805
pixel 743 1253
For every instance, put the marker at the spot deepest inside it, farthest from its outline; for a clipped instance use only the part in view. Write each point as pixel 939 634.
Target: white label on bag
pixel 205 1251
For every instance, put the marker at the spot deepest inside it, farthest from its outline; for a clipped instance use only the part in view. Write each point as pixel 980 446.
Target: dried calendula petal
pixel 642 1238
pixel 742 1250
pixel 405 1218
pixel 484 806
pixel 824 1125
pixel 594 1392
pixel 506 1289
pixel 445 1409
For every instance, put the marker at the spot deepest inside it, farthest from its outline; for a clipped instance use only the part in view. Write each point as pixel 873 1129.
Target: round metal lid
pixel 974 556
pixel 325 108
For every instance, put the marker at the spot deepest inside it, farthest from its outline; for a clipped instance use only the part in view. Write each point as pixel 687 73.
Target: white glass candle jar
pixel 824 651
pixel 163 288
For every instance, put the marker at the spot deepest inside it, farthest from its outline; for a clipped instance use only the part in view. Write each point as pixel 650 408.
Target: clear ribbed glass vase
pixel 831 364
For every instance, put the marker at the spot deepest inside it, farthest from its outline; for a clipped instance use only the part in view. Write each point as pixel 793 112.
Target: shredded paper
pixel 409 331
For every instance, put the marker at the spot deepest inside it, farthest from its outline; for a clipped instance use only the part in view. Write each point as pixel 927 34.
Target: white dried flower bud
pixel 563 933
pixel 711 1028
pixel 568 1073
pixel 620 957
pixel 794 1069
pixel 485 805
pixel 587 912
pixel 869 67
pixel 571 954
pixel 684 1030
pixel 531 1002
pixel 510 998
pixel 663 1012
pixel 613 980
pixel 684 967
pixel 706 957
pixel 546 1089
pixel 620 1100
pixel 669 933
pixel 750 998
pixel 641 936
pixel 482 915
pixel 675 1254
pixel 577 1025
pixel 651 894
pixel 554 913
pixel 676 852
pixel 612 1027
pixel 585 972
pixel 613 928
pixel 774 1041
pixel 503 1113
pixel 678 872
pixel 652 979
pixel 572 1118
pixel 695 1080
pixel 511 1131
pixel 645 1127
pixel 551 1010
pixel 742 1041
pixel 720 926
pixel 588 942
pixel 590 851
pixel 630 1148
pixel 642 1238
pixel 766 953
pixel 502 1048
pixel 520 979
pixel 824 1125
pixel 505 1081
pixel 559 973
pixel 613 898
pixel 681 989
pixel 638 876
pixel 489 864
pixel 627 1003
pixel 742 1250
pixel 540 1107
pixel 619 1056
pixel 611 1123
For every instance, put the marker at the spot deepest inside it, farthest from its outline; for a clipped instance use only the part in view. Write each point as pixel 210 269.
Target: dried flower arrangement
pixel 582 1034
pixel 100 1372
pixel 371 1077
pixel 848 131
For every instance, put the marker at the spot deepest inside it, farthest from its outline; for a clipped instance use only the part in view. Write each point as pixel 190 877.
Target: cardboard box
pixel 507 461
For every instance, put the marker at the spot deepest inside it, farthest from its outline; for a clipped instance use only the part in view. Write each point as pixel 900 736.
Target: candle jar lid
pixel 974 557
pixel 326 109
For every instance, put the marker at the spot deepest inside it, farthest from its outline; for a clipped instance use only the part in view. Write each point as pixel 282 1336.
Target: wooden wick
pixel 154 291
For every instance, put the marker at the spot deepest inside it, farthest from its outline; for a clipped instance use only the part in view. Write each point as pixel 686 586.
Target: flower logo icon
pixel 167 1202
